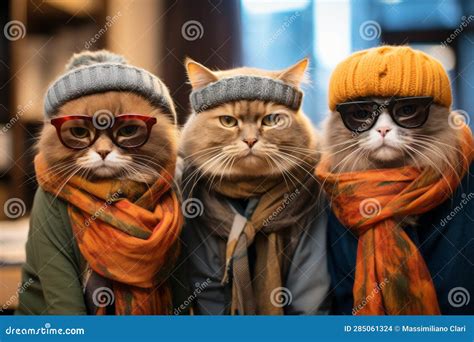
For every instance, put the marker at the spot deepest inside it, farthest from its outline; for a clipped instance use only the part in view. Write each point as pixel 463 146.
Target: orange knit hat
pixel 388 71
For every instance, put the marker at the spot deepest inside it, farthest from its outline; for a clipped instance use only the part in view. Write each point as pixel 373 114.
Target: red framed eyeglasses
pixel 81 131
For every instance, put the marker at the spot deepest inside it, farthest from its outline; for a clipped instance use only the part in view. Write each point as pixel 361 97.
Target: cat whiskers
pixel 430 163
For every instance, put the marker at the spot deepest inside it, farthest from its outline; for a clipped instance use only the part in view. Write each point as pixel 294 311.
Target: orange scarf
pixel 127 233
pixel 391 276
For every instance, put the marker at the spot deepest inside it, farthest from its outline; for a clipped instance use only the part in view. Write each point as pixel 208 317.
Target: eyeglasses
pixel 81 131
pixel 407 112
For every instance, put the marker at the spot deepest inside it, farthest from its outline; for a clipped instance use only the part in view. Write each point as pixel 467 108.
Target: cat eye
pixel 271 119
pixel 79 132
pixel 228 121
pixel 406 112
pixel 127 131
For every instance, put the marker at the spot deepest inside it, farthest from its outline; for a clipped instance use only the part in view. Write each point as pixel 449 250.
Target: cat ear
pixel 295 74
pixel 199 76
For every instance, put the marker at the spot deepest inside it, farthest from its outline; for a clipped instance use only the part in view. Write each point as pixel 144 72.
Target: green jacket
pixel 52 273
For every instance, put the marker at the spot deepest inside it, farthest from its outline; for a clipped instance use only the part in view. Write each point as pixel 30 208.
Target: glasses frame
pixel 426 101
pixel 59 121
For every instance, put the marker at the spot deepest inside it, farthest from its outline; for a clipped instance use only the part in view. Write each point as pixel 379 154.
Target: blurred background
pixel 38 36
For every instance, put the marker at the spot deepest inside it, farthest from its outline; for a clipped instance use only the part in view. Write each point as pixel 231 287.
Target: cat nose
pixel 103 153
pixel 383 131
pixel 250 141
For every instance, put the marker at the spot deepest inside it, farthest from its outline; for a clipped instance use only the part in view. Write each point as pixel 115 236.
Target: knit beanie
pixel 101 71
pixel 245 87
pixel 388 71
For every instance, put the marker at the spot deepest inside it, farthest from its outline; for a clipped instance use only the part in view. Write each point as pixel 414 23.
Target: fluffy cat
pixel 248 139
pixel 104 159
pixel 249 165
pixel 387 145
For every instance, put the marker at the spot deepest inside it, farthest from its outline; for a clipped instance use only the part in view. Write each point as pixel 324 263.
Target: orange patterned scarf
pixel 127 233
pixel 391 276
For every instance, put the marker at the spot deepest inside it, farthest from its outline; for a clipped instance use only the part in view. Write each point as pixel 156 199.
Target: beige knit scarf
pixel 282 213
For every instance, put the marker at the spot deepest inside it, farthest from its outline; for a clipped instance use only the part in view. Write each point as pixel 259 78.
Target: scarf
pixel 126 232
pixel 271 228
pixel 391 276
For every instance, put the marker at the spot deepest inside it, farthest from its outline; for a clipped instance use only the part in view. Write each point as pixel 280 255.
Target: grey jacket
pixel 200 271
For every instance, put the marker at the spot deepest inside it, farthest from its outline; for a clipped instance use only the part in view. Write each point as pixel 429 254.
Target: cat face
pixel 104 159
pixel 247 138
pixel 387 144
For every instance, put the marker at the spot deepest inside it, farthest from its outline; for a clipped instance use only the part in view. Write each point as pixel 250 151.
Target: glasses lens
pixel 131 133
pixel 77 133
pixel 411 113
pixel 358 117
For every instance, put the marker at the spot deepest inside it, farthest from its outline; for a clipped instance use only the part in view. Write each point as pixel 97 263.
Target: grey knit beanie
pixel 245 88
pixel 100 71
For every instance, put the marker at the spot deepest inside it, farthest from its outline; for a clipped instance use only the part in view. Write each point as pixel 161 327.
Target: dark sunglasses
pixel 81 131
pixel 406 112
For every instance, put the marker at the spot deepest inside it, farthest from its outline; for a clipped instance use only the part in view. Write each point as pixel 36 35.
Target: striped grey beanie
pixel 245 88
pixel 100 71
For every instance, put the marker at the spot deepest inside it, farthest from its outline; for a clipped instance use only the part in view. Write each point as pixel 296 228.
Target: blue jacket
pixel 445 238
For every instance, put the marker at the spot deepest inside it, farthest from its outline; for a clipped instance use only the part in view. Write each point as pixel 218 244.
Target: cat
pixel 256 158
pixel 104 159
pixel 247 139
pixel 388 145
